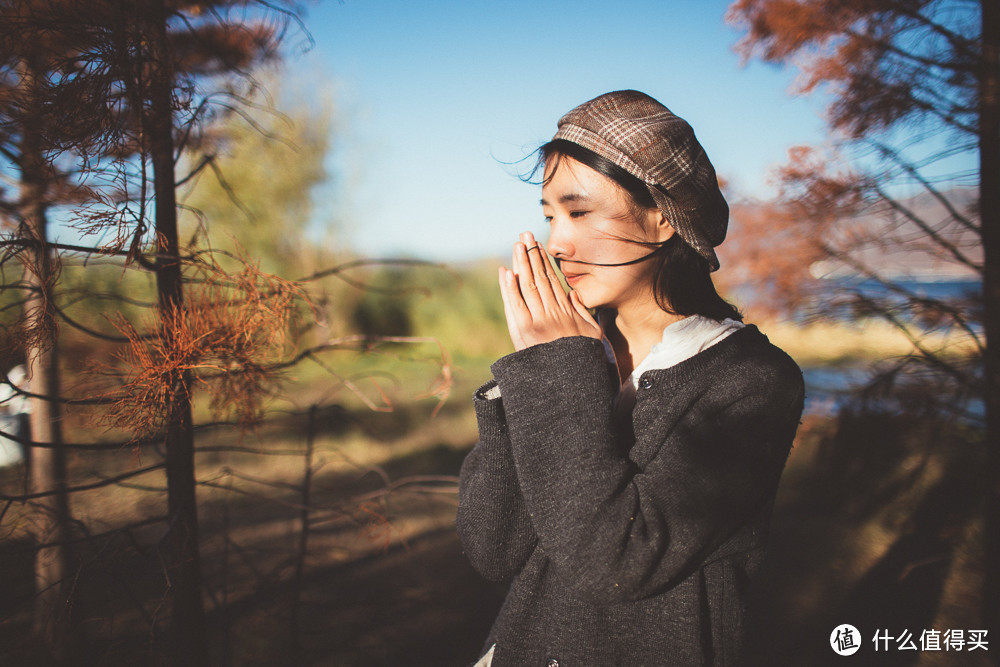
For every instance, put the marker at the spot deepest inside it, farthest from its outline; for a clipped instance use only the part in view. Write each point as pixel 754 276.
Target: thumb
pixel 581 310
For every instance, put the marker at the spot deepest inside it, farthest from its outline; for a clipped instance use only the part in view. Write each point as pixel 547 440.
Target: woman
pixel 628 462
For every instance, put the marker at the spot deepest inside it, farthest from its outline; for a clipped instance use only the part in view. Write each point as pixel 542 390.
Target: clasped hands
pixel 537 308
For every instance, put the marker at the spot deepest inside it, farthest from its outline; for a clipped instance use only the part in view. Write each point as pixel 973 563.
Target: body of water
pixel 829 387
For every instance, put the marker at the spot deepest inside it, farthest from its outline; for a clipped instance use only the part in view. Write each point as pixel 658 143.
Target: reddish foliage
pixel 884 60
pixel 228 338
pixel 768 254
pixel 772 245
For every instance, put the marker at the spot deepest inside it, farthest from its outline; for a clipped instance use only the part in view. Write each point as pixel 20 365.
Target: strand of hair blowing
pixel 560 262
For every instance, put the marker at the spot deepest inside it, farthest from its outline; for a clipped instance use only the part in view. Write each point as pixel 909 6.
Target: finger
pixel 533 246
pixel 548 264
pixel 581 309
pixel 511 305
pixel 557 287
pixel 553 293
pixel 512 327
pixel 538 263
pixel 527 282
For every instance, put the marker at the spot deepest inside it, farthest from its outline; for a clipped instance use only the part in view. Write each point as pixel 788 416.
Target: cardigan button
pixel 646 382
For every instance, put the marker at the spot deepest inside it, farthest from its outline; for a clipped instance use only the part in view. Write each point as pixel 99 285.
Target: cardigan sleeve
pixel 492 521
pixel 617 529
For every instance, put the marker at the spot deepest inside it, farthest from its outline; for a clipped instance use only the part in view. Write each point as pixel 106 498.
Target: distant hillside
pixel 887 241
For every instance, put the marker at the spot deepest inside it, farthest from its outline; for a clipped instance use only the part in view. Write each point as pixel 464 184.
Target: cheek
pixel 624 280
pixel 605 246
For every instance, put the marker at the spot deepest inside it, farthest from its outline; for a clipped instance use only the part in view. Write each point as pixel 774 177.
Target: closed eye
pixel 574 215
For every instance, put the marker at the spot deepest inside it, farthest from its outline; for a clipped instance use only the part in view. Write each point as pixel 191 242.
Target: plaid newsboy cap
pixel 644 138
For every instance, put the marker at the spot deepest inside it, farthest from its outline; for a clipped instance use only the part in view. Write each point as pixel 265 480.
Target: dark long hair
pixel 682 279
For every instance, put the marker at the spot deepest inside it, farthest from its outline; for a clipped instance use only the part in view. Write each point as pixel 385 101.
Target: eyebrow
pixel 569 197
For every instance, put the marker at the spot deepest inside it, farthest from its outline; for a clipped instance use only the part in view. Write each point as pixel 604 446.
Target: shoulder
pixel 754 353
pixel 746 354
pixel 744 373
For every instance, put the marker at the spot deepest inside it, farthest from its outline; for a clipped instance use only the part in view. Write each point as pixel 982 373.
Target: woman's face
pixel 592 219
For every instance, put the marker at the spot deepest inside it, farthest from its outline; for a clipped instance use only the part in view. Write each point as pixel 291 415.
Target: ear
pixel 659 226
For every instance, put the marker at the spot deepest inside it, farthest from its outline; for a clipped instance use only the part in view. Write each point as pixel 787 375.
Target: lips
pixel 573 278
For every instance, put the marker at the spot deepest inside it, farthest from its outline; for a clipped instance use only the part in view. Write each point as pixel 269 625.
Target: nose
pixel 560 242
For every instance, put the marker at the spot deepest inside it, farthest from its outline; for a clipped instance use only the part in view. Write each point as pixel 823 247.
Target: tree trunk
pixel 989 211
pixel 53 585
pixel 189 645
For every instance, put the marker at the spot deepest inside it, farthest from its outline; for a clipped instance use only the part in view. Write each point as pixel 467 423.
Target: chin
pixel 590 302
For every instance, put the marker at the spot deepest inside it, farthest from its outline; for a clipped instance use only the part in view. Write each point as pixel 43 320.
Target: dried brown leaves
pixel 228 338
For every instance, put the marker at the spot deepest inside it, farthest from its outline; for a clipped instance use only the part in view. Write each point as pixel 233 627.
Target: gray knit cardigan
pixel 626 544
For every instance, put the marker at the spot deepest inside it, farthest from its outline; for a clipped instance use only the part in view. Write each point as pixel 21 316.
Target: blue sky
pixel 434 97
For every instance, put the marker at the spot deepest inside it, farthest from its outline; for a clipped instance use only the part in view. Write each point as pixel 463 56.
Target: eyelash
pixel 572 214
